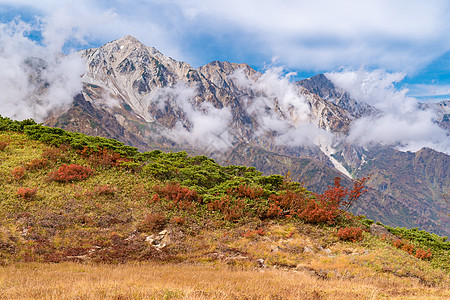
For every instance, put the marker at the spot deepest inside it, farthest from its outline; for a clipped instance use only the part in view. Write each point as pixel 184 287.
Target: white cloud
pixel 97 22
pixel 401 122
pixel 429 90
pixel 399 35
pixel 316 35
pixel 34 79
pixel 278 107
pixel 205 126
pixel 273 102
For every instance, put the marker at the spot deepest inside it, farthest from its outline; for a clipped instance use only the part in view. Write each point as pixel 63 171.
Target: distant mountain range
pixel 236 115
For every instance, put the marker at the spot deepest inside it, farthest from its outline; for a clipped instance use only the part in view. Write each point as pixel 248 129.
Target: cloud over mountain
pixel 34 78
pixel 400 122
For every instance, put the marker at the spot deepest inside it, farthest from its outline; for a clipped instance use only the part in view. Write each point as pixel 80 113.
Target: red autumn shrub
pixel 220 204
pixel 155 199
pixel 178 220
pixel 422 254
pixel 18 173
pixel 26 193
pixel 254 233
pixel 288 204
pixel 408 248
pixel 105 190
pixel 3 145
pixel 179 196
pixel 352 234
pixel 404 245
pixel 319 211
pixel 104 158
pixel 397 243
pixel 273 211
pixel 334 202
pixel 245 191
pixel 37 164
pixel 152 222
pixel 69 173
pixel 232 208
pixel 323 208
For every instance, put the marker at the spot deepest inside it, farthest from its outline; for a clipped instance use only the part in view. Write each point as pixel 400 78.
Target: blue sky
pixel 308 37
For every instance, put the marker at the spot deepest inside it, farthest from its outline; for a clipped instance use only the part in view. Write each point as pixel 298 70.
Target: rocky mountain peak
pixel 220 73
pixel 126 70
pixel 324 88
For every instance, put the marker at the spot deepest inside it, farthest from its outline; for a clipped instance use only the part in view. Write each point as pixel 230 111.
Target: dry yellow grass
pixel 186 281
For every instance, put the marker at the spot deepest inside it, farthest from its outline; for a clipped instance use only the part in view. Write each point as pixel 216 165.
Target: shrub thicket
pixel 69 173
pixel 352 234
pixel 26 193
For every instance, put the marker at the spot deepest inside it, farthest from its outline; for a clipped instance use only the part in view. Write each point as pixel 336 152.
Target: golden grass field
pixel 189 281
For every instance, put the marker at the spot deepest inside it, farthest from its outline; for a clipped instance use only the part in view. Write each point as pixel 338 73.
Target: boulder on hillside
pixel 380 231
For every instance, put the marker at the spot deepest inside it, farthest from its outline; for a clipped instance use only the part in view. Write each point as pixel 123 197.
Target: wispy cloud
pixel 277 107
pixel 399 35
pixel 401 122
pixel 429 91
pixel 200 125
pixel 35 79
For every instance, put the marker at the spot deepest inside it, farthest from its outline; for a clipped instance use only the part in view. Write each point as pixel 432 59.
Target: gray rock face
pixel 380 231
pixel 324 88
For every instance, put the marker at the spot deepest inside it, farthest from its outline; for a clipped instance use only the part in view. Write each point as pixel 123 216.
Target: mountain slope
pixel 67 197
pixel 237 115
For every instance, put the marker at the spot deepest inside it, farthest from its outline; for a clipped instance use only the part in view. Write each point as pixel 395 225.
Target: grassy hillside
pixel 66 197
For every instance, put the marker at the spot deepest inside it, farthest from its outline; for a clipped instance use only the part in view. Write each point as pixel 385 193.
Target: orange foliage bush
pixel 422 254
pixel 408 247
pixel 233 209
pixel 104 158
pixel 69 173
pixel 37 164
pixel 26 193
pixel 273 211
pixel 105 190
pixel 179 196
pixel 245 191
pixel 287 204
pixel 352 234
pixel 18 173
pixel 152 222
pixel 333 202
pixel 324 208
pixel 3 145
pixel 404 245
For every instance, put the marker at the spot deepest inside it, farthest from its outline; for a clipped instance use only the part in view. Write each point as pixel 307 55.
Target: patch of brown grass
pixel 183 281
